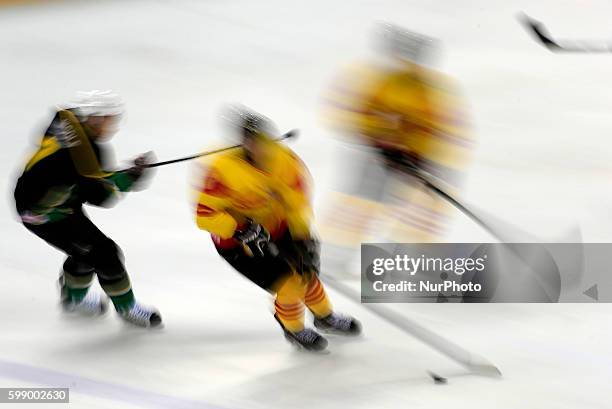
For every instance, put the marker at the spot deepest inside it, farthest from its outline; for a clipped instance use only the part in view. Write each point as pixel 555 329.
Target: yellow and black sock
pixel 316 299
pixel 291 295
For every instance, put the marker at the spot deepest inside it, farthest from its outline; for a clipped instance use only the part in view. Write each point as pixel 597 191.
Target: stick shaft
pixel 431 184
pixel 461 207
pixel 201 154
pixel 474 363
pixel 538 30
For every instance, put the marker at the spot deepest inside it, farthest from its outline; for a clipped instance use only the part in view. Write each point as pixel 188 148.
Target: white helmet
pixel 97 103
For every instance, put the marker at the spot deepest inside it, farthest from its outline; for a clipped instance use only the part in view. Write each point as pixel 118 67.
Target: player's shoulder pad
pixel 224 164
pixel 287 155
pixel 293 170
pixel 67 129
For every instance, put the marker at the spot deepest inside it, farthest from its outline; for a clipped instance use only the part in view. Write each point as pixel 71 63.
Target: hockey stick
pixel 476 364
pixel 540 33
pixel 501 230
pixel 430 183
pixel 290 134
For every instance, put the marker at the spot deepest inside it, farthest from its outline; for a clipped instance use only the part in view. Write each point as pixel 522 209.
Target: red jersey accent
pixel 204 210
pixel 214 186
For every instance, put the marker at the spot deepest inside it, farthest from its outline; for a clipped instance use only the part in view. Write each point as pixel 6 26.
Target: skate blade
pixel 301 348
pixel 138 327
pixel 131 326
pixel 332 331
pixel 75 312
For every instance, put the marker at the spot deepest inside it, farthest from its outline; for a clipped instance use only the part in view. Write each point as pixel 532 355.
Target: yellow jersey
pixel 409 108
pixel 234 191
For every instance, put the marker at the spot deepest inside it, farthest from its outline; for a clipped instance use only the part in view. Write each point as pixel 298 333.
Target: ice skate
pixel 339 324
pixel 141 316
pixel 93 304
pixel 307 338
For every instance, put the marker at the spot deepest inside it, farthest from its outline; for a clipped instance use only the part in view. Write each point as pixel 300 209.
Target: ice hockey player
pixel 255 203
pixel 63 174
pixel 403 115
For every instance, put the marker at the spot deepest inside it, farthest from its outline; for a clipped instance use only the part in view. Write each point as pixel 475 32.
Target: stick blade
pixel 539 32
pixel 292 134
pixel 479 365
pixel 488 370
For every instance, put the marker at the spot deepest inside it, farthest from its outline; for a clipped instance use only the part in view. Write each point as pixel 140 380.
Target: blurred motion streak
pixel 394 114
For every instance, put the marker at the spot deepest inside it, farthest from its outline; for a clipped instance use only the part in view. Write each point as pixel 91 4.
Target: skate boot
pixel 141 316
pixel 307 338
pixel 92 304
pixel 339 324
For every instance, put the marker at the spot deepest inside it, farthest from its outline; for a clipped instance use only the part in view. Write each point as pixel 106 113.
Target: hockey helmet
pixel 250 123
pixel 405 44
pixel 97 103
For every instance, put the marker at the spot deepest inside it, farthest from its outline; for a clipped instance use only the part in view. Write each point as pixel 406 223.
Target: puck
pixel 437 378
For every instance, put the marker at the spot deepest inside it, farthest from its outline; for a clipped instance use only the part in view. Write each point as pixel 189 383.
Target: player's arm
pixel 98 187
pixel 133 178
pixel 295 193
pixel 296 196
pixel 71 136
pixel 105 191
pixel 213 200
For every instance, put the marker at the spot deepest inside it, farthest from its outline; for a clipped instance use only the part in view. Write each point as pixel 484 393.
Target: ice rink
pixel 544 126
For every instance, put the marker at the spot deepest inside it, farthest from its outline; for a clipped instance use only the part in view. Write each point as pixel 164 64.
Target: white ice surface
pixel 544 126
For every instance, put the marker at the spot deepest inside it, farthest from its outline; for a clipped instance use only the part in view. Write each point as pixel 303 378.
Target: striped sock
pixel 74 295
pixel 124 301
pixel 316 300
pixel 120 293
pixel 75 286
pixel 290 315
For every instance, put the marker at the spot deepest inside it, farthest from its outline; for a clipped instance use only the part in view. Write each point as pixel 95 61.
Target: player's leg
pixel 325 318
pixel 106 258
pixel 76 279
pixel 353 210
pixel 413 213
pixel 316 299
pixel 304 286
pixel 288 302
pixel 76 293
pixel 275 276
pixel 76 276
pixel 289 312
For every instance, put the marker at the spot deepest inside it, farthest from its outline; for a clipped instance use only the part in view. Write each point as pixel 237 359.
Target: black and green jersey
pixel 64 173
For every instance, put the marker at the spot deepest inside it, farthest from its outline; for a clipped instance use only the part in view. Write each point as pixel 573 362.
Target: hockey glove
pixel 139 174
pixel 254 239
pixel 140 164
pixel 400 160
